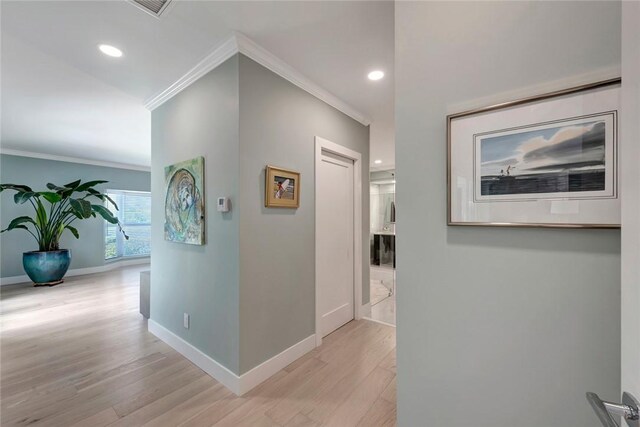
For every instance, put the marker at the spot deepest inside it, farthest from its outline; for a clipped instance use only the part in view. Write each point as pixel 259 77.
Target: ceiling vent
pixel 153 7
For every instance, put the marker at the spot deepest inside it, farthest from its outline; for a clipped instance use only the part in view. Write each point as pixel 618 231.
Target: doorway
pixel 338 237
pixel 382 240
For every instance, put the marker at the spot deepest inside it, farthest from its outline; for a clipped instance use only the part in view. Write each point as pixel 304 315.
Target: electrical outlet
pixel 186 321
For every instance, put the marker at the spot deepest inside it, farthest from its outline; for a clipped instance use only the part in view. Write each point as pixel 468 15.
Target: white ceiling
pixel 61 96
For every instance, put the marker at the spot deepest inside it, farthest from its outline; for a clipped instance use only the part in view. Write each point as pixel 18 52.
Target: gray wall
pixel 278 123
pixel 88 251
pixel 241 117
pixel 202 120
pixel 496 326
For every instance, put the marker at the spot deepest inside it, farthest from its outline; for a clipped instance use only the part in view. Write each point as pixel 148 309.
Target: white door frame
pixel 630 244
pixel 331 147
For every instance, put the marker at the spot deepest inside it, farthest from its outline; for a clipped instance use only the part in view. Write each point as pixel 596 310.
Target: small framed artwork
pixel 282 188
pixel 545 161
pixel 184 202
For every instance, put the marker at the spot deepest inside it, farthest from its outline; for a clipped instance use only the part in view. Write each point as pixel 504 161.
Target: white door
pixel 334 235
pixel 613 414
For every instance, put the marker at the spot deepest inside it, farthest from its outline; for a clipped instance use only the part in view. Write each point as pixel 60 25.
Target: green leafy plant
pixel 66 204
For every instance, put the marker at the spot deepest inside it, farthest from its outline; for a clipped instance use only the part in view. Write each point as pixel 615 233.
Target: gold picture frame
pixel 281 188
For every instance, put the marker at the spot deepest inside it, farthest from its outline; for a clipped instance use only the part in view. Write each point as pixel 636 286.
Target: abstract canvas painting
pixel 184 202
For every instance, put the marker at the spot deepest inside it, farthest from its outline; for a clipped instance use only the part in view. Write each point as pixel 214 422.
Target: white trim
pixel 219 372
pixel 323 144
pixel 365 310
pixel 379 321
pixel 239 385
pixel 630 232
pixel 239 43
pixel 266 369
pixel 57 158
pixel 220 54
pixel 81 271
pixel 251 49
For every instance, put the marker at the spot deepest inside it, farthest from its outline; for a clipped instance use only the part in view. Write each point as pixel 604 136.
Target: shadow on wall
pixel 564 240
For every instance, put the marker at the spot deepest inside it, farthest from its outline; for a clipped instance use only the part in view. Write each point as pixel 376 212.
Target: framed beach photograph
pixel 545 161
pixel 184 202
pixel 282 188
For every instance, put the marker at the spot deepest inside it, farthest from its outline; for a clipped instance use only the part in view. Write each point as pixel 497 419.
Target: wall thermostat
pixel 223 204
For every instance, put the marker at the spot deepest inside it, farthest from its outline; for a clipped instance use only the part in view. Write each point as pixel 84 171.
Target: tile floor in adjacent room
pixel 383 295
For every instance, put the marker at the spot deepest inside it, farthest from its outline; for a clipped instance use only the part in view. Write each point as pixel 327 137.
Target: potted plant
pixel 66 204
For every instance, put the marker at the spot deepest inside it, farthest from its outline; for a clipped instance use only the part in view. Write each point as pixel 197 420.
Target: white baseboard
pixel 365 311
pixel 237 384
pixel 379 321
pixel 266 369
pixel 81 271
pixel 219 372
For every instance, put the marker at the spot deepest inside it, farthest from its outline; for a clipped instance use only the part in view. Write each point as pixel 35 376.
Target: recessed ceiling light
pixel 375 75
pixel 110 50
pixel 377 162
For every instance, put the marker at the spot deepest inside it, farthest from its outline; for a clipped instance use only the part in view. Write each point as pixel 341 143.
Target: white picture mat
pixel 558 211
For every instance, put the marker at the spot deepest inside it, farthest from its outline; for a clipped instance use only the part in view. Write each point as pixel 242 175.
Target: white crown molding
pixel 239 43
pixel 81 271
pixel 238 384
pixel 251 49
pixel 44 156
pixel 214 59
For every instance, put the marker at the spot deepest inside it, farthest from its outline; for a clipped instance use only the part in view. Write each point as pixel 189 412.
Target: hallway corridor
pixel 79 354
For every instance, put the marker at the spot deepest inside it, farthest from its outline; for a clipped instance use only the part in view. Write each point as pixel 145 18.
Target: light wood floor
pixel 79 354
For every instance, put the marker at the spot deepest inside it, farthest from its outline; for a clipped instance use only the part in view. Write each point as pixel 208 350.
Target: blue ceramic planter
pixel 46 268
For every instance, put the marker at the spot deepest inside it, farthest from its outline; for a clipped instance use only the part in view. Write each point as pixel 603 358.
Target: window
pixel 135 217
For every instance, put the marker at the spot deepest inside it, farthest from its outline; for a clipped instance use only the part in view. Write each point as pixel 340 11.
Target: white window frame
pixel 119 236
